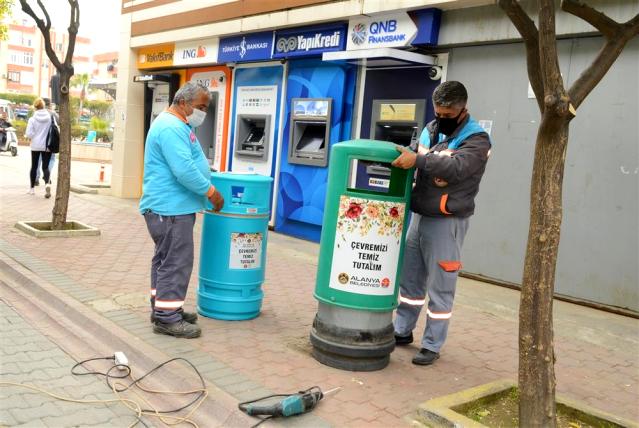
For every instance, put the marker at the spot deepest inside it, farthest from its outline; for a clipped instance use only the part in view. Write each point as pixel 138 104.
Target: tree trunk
pixel 64 157
pixel 536 349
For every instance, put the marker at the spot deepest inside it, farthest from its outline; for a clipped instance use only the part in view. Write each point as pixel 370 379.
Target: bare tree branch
pixel 74 25
pixel 46 15
pixel 592 75
pixel 548 58
pixel 600 21
pixel 45 30
pixel 530 35
pixel 616 35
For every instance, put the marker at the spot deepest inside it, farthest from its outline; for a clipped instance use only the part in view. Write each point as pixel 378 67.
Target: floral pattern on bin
pixel 243 239
pixel 359 215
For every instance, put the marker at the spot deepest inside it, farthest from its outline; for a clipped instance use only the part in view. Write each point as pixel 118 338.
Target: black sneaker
pixel 37 182
pixel 178 329
pixel 425 357
pixel 404 340
pixel 190 317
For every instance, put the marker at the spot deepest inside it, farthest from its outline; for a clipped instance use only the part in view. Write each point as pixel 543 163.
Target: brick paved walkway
pixel 597 352
pixel 27 356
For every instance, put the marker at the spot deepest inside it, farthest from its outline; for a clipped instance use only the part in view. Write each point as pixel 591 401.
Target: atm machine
pixel 206 132
pixel 212 133
pixel 159 90
pixel 397 121
pixel 252 137
pixel 309 131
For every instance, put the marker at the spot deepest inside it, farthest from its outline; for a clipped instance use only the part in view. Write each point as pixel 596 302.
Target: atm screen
pixel 398 134
pixel 312 139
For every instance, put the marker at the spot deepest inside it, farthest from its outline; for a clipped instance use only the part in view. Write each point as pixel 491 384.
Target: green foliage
pixel 18 98
pixel 78 131
pixel 98 124
pixel 98 108
pixel 5 10
pixel 20 127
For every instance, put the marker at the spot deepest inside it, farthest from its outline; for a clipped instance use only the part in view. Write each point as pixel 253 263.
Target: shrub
pixel 99 125
pixel 20 126
pixel 19 98
pixel 78 131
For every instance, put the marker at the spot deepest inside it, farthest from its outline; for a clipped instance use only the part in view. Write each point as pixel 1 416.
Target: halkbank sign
pixel 382 31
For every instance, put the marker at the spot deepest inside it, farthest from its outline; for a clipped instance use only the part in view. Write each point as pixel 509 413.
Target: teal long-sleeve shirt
pixel 176 172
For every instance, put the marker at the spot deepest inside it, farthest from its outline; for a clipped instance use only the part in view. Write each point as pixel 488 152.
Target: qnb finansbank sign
pixel 384 31
pixel 309 41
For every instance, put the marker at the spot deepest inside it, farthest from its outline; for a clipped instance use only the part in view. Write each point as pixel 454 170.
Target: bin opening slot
pixel 370 176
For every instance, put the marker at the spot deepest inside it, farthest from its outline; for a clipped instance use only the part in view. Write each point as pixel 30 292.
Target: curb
pixel 439 412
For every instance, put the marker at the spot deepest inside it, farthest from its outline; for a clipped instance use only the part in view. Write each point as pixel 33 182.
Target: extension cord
pixel 121 361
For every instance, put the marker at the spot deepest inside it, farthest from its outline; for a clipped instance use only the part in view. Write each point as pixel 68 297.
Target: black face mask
pixel 448 125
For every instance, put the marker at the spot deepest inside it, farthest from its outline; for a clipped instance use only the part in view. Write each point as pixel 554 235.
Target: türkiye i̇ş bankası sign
pixel 367 244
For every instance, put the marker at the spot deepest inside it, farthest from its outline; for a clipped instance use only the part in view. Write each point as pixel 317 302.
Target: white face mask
pixel 196 118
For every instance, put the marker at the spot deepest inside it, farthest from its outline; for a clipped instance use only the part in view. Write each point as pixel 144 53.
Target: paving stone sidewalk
pixel 28 357
pixel 597 352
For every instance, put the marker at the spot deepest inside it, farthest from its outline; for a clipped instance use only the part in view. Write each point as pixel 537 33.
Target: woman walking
pixel 38 130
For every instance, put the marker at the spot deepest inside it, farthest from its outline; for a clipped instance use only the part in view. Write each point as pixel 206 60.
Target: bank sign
pixel 249 47
pixel 382 31
pixel 309 41
pixel 196 52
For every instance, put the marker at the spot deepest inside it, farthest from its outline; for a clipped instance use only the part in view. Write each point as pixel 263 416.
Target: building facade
pixel 304 74
pixel 24 65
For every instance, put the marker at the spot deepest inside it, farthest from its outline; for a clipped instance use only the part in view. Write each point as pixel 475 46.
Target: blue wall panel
pixel 302 188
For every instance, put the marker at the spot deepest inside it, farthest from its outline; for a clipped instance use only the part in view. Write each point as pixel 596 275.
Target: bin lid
pixel 383 150
pixel 245 194
pixel 242 177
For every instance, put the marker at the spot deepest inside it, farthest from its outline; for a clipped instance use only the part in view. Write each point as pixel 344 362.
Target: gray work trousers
pixel 431 263
pixel 172 263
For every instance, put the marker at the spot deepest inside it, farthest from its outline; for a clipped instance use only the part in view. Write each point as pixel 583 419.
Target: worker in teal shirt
pixel 176 186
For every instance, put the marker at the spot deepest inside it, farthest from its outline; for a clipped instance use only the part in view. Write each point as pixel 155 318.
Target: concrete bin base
pixel 365 345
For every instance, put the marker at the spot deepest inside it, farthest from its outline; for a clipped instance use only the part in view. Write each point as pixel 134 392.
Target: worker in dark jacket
pixel 452 158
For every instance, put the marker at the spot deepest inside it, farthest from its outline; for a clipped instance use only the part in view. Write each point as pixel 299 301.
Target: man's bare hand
pixel 217 200
pixel 407 158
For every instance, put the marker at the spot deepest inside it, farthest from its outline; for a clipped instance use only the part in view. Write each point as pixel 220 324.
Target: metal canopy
pixel 380 57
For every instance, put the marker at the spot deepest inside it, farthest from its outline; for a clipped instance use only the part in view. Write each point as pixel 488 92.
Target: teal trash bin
pixel 91 135
pixel 233 248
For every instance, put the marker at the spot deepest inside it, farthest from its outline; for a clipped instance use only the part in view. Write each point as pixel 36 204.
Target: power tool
pixel 290 405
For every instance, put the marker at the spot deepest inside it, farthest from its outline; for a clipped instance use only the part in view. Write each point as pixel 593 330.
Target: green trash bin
pixel 365 221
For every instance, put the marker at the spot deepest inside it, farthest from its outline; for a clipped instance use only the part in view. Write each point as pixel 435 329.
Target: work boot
pixel 404 340
pixel 190 317
pixel 47 191
pixel 425 357
pixel 177 329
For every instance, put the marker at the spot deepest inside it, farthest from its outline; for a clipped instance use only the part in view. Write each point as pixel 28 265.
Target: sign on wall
pixel 367 244
pixel 196 52
pixel 382 31
pixel 309 40
pixel 155 56
pixel 249 47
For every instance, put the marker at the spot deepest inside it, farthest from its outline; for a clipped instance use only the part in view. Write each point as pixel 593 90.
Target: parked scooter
pixel 8 141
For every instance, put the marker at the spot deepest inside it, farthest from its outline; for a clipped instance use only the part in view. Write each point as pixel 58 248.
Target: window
pixel 58 46
pixel 14 58
pixel 27 58
pixel 14 76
